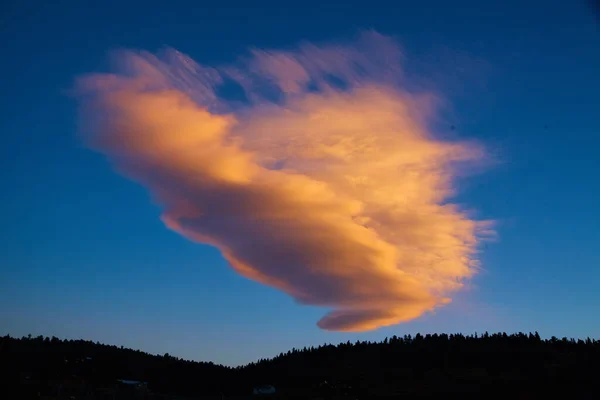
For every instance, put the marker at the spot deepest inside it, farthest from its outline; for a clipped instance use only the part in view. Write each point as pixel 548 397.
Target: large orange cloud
pixel 324 183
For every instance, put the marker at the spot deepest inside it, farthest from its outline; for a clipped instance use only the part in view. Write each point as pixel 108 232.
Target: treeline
pixel 441 363
pixel 424 364
pixel 51 359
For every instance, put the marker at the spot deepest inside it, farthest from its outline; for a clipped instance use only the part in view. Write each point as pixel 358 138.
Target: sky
pixel 338 171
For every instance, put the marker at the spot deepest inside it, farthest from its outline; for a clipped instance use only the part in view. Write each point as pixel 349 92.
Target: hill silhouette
pixel 430 366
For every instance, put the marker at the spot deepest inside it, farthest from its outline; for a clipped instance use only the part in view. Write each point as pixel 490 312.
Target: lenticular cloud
pixel 319 178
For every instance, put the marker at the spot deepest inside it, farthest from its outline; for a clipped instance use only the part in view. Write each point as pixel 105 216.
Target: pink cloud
pixel 336 196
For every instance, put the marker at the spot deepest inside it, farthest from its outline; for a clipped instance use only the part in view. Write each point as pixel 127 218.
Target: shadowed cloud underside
pixel 323 181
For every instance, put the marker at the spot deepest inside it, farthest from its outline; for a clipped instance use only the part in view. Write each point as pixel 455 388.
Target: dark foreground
pixel 520 366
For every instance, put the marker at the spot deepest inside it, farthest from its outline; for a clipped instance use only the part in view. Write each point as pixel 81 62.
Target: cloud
pixel 324 182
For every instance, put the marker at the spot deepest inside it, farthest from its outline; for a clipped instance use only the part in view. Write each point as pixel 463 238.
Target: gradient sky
pixel 84 253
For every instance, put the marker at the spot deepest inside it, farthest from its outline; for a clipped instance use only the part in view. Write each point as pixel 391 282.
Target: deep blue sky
pixel 84 255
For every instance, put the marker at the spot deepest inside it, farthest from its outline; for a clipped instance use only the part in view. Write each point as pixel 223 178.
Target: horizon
pixel 475 335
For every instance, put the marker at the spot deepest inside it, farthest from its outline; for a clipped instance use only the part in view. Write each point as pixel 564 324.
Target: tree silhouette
pixel 429 365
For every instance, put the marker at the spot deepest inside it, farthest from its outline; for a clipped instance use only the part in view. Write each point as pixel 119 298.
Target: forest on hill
pixel 425 366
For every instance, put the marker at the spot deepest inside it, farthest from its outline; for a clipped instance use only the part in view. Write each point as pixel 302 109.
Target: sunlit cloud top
pixel 323 181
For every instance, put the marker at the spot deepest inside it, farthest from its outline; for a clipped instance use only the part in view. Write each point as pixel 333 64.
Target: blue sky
pixel 85 255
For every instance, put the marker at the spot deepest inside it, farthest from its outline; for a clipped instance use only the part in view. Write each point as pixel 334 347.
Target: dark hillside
pixel 430 366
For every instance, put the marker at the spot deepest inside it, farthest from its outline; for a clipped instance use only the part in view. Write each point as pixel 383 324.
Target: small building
pixel 264 391
pixel 130 389
pixel 136 384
